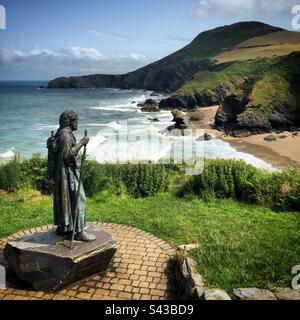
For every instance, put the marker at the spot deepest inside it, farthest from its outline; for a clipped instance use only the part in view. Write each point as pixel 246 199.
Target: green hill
pixel 206 52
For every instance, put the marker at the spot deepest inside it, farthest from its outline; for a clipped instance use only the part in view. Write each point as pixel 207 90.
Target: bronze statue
pixel 63 164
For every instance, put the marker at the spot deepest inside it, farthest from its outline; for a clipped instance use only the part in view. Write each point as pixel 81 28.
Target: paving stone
pixel 132 269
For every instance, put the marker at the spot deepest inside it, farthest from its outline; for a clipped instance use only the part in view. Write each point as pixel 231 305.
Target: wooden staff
pixel 78 192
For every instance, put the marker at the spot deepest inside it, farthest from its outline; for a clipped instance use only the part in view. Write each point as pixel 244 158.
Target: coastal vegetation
pixel 246 220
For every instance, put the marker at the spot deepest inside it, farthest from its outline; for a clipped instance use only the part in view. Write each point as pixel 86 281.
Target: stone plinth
pixel 45 260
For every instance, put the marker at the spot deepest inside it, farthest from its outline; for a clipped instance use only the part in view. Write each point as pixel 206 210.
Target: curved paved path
pixel 140 270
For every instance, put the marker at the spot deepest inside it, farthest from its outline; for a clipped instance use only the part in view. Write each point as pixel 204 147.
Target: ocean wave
pixel 7 154
pixel 122 105
pixel 112 125
pixel 122 152
pixel 219 149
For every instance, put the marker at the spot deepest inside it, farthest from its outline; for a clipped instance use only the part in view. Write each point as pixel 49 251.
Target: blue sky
pixel 44 39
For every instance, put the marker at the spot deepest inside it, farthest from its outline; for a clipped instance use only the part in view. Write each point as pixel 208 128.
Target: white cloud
pixel 277 6
pixel 221 7
pixel 82 53
pixel 68 61
pixel 241 8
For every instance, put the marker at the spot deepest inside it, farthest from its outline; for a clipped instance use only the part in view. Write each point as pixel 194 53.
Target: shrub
pixel 35 173
pixel 243 182
pixel 141 180
pixel 95 178
pixel 10 175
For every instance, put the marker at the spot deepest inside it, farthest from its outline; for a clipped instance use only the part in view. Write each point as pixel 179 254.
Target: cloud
pixel 67 61
pixel 112 36
pixel 278 6
pixel 241 8
pixel 212 7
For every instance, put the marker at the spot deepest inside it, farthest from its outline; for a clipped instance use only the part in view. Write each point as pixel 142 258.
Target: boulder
pixel 153 120
pixel 287 294
pixel 149 105
pixel 179 119
pixel 46 262
pixel 215 294
pixel 270 138
pixel 188 247
pixel 149 109
pixel 253 294
pixel 207 137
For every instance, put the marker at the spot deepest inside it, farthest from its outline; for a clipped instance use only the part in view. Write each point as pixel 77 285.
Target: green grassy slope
pixel 240 245
pixel 231 77
pixel 210 43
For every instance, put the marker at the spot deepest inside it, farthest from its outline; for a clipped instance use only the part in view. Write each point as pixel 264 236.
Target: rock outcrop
pixel 166 75
pixel 192 102
pixel 149 105
pixel 46 262
pixel 179 119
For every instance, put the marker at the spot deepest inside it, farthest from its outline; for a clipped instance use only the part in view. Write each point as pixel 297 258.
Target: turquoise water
pixel 118 130
pixel 28 114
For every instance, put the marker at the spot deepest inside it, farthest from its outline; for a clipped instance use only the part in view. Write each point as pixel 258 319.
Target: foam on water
pixel 121 105
pixel 7 155
pixel 141 141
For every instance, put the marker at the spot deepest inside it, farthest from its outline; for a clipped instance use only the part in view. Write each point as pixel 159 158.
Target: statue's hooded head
pixel 69 119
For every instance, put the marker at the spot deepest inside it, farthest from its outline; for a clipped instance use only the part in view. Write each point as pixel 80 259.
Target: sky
pixel 45 39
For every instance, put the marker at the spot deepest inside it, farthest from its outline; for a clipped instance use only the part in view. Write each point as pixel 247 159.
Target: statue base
pixel 46 262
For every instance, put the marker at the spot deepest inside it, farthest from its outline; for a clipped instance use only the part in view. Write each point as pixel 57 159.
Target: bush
pixel 141 180
pixel 95 178
pixel 35 173
pixel 10 175
pixel 243 182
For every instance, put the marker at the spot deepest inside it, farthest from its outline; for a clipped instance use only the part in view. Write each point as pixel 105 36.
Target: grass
pixel 271 83
pixel 273 88
pixel 231 77
pixel 240 245
pixel 273 38
pixel 239 54
pixel 213 42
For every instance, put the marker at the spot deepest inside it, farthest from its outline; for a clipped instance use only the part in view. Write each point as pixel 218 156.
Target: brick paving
pixel 140 270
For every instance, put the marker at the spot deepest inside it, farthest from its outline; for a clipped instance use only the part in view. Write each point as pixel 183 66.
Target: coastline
pixel 282 153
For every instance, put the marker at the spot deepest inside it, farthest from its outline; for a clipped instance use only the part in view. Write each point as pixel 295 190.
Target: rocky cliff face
pixel 202 99
pixel 162 76
pixel 255 97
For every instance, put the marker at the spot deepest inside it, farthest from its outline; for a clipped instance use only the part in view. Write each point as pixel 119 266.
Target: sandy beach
pixel 283 153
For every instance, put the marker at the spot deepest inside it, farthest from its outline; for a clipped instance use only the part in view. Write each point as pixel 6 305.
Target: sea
pixel 119 132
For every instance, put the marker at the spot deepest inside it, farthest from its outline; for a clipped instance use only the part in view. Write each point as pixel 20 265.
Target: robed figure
pixel 63 166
